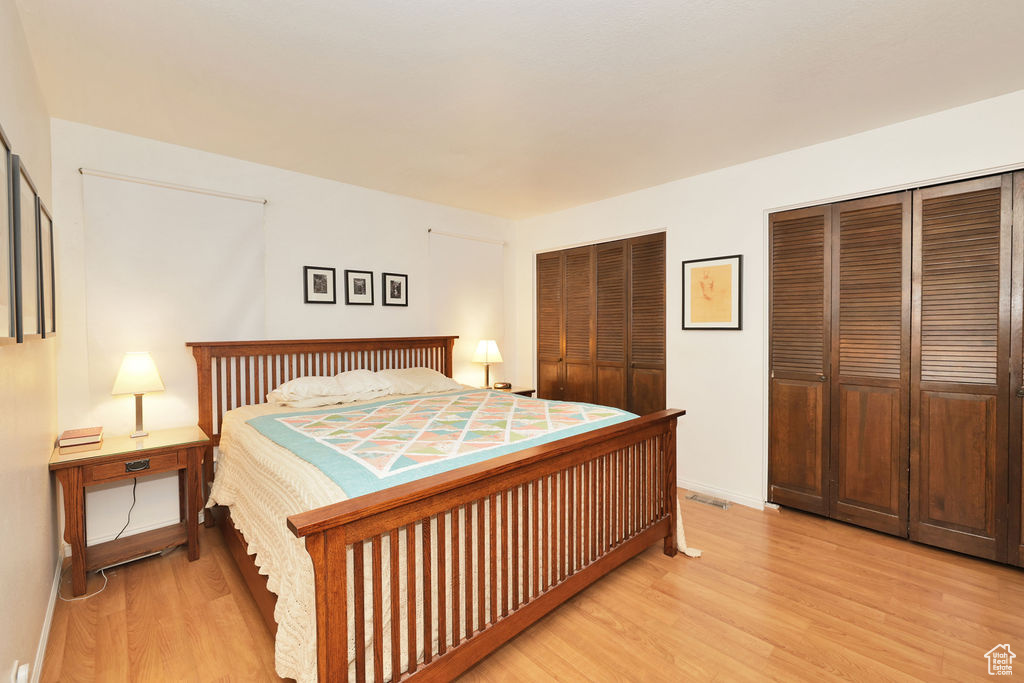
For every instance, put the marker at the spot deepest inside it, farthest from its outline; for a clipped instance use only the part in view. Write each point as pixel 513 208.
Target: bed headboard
pixel 242 373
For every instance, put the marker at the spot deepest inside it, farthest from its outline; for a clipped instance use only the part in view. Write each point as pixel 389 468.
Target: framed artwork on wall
pixel 8 307
pixel 359 287
pixel 318 285
pixel 47 274
pixel 395 287
pixel 26 252
pixel 713 293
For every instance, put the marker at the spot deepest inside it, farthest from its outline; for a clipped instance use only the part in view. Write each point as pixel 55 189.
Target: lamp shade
pixel 138 375
pixel 487 352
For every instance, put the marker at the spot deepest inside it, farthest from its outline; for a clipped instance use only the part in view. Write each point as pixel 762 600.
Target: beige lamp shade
pixel 138 375
pixel 487 352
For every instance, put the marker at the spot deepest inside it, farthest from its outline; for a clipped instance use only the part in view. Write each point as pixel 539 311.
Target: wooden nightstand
pixel 119 458
pixel 528 393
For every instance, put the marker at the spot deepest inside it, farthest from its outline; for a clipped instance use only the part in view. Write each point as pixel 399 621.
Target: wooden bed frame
pixel 570 512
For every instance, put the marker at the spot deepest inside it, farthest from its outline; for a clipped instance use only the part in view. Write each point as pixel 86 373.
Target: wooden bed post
pixel 671 490
pixel 205 391
pixel 330 573
pixel 449 345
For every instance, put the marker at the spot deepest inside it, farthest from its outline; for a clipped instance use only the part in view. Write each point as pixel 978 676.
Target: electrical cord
pixel 103 572
pixel 135 482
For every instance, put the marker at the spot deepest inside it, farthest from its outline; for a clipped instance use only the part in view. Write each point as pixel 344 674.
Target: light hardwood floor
pixel 777 595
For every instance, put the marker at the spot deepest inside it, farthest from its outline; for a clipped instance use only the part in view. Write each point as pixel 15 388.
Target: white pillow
pixel 317 401
pixel 361 382
pixel 417 381
pixel 302 388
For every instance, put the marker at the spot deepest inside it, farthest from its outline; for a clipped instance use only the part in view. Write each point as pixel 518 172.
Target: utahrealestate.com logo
pixel 1000 660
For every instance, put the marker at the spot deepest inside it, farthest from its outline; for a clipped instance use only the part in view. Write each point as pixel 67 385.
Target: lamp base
pixel 139 432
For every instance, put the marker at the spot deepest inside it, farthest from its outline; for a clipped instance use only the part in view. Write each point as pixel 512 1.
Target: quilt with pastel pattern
pixel 370 447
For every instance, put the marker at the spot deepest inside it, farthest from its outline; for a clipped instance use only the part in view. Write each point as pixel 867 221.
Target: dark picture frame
pixel 8 300
pixel 47 272
pixel 359 287
pixel 395 289
pixel 25 251
pixel 319 285
pixel 713 288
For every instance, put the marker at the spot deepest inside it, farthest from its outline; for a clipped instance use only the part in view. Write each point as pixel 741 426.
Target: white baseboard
pixel 44 636
pixel 731 496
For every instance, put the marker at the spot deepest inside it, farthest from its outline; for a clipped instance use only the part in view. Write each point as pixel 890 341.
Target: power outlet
pixel 19 673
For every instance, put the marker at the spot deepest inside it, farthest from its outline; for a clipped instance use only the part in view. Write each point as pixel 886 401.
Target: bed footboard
pixel 429 577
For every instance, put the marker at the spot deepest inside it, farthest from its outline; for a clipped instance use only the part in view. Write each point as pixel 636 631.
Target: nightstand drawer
pixel 122 469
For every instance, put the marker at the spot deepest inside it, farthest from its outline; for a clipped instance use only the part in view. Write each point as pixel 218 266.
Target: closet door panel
pixel 611 386
pixel 612 322
pixel 797 465
pixel 648 390
pixel 646 345
pixel 550 324
pixel 869 457
pixel 961 350
pixel 798 468
pixel 549 380
pixel 580 324
pixel 871 258
pixel 957 489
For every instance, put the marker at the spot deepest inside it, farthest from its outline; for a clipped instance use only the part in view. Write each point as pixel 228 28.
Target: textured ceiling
pixel 514 107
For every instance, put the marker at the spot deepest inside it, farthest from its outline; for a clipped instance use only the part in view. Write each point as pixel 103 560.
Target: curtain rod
pixel 172 186
pixel 431 231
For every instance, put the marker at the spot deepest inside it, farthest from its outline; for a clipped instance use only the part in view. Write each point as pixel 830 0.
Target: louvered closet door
pixel 550 324
pixel 960 371
pixel 798 467
pixel 646 371
pixel 1016 457
pixel 870 380
pixel 580 324
pixel 612 316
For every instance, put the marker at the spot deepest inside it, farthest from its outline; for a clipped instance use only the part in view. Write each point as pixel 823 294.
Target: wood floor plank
pixel 778 595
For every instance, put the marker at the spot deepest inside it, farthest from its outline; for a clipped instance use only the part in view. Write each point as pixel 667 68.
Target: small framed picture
pixel 395 286
pixel 46 272
pixel 713 293
pixel 359 287
pixel 8 309
pixel 26 252
pixel 318 285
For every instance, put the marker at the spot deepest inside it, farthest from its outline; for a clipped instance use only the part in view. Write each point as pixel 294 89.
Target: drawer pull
pixel 137 465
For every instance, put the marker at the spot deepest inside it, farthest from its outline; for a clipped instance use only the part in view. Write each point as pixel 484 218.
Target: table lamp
pixel 138 375
pixel 487 353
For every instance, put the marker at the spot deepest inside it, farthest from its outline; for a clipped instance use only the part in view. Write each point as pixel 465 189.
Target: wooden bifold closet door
pixel 871 362
pixel 550 324
pixel 840 360
pixel 601 324
pixel 1015 546
pixel 798 446
pixel 961 352
pixel 896 388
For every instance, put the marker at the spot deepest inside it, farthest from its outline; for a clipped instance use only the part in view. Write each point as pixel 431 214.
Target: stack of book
pixel 85 439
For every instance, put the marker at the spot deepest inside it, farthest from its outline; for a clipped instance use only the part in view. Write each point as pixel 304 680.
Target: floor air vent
pixel 708 500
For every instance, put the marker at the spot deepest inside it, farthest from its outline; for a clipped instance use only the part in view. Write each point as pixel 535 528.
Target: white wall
pixel 307 221
pixel 27 390
pixel 720 377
